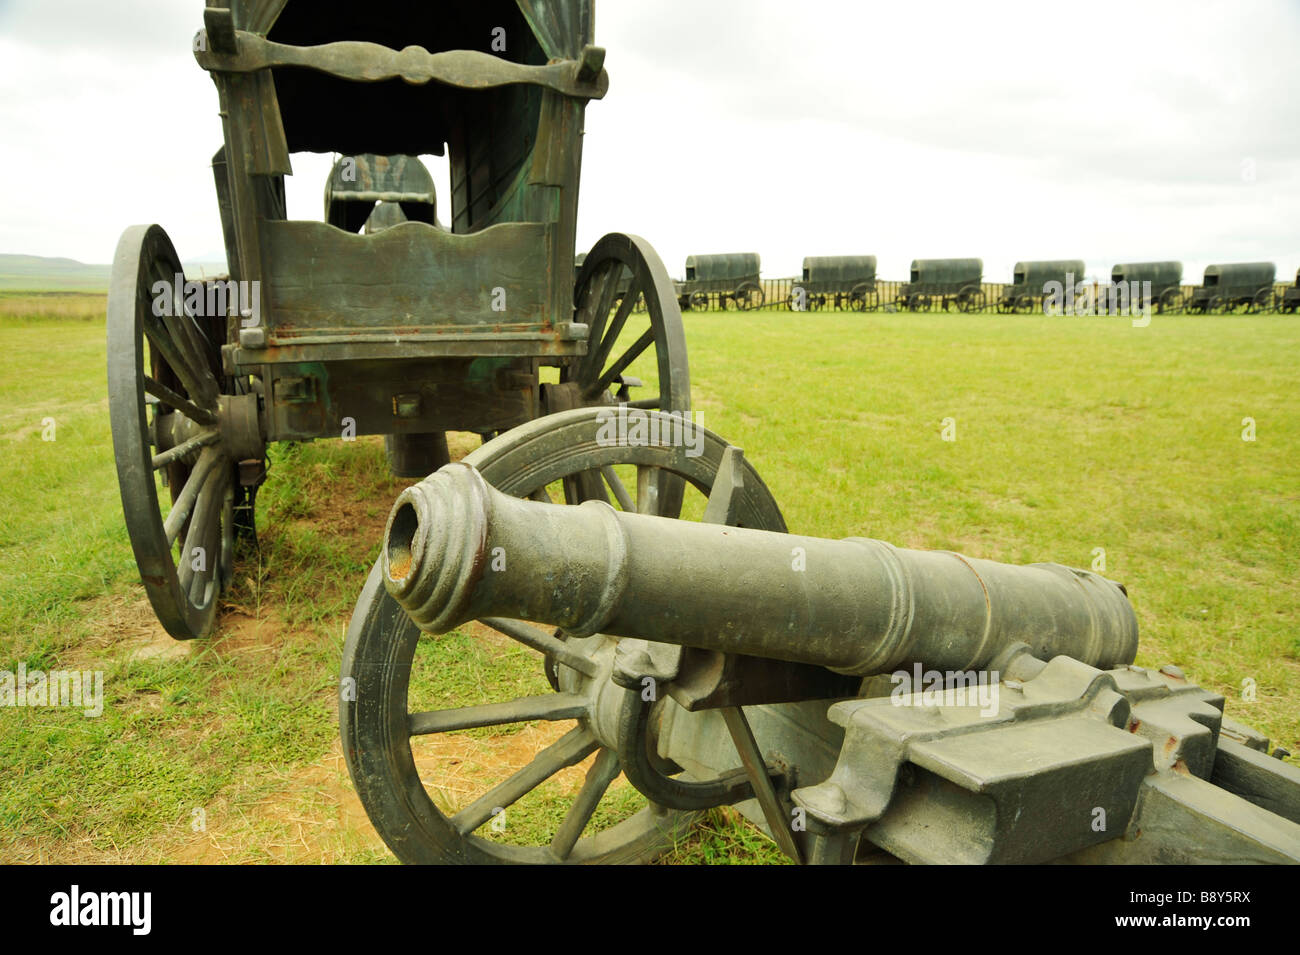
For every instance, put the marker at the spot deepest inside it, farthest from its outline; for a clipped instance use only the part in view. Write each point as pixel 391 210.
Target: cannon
pixel 1166 278
pixel 725 280
pixel 859 701
pixel 381 319
pixel 837 281
pixel 1030 281
pixel 1228 287
pixel 945 282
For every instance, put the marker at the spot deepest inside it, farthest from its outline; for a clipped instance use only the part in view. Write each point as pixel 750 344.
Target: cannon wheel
pixel 699 301
pixel 749 296
pixel 168 364
pixel 375 712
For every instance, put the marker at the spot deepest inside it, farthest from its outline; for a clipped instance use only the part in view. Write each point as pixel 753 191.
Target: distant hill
pixel 36 273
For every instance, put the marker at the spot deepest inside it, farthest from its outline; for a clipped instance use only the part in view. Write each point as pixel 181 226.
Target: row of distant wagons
pixel 849 282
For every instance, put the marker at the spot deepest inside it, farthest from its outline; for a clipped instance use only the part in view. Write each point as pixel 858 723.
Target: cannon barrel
pixel 456 549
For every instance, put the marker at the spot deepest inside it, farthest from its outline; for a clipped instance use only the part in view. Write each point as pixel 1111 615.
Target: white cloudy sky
pixel 1108 131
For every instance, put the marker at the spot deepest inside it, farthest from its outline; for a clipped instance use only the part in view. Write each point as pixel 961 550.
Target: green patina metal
pixel 1030 282
pixel 837 281
pixel 1229 286
pixel 944 282
pixel 1001 719
pixel 732 277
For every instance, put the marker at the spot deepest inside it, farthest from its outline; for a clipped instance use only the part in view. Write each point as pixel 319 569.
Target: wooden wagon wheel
pixel 862 297
pixel 1262 301
pixel 971 299
pixel 749 296
pixel 1170 300
pixel 699 301
pixel 1217 303
pixel 175 421
pixel 379 718
pixel 1024 304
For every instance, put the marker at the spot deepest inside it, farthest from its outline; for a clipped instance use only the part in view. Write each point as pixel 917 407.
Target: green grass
pixel 1072 434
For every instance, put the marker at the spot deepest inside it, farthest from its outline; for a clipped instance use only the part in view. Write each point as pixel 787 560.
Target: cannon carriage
pixel 1030 282
pixel 836 281
pixel 859 701
pixel 723 281
pixel 1227 287
pixel 1166 279
pixel 404 327
pixel 945 283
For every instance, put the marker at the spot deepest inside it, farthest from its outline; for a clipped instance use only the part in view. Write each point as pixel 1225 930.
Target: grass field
pixel 1070 435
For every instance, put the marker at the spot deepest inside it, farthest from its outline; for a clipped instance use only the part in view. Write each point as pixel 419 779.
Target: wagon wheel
pixel 1261 302
pixel 699 301
pixel 194 437
pixel 918 303
pixel 749 296
pixel 862 297
pixel 1170 300
pixel 379 717
pixel 971 299
pixel 1215 304
pixel 1024 304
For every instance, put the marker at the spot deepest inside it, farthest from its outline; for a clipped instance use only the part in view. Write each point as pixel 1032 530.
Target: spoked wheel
pixel 1170 301
pixel 1024 304
pixel 174 425
pixel 749 296
pixel 862 297
pixel 699 301
pixel 414 767
pixel 971 299
pixel 1262 301
pixel 625 269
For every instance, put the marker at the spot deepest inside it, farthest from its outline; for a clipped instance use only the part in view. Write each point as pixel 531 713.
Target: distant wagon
pixel 1030 281
pixel 722 279
pixel 1289 300
pixel 1166 280
pixel 947 282
pixel 840 281
pixel 1230 286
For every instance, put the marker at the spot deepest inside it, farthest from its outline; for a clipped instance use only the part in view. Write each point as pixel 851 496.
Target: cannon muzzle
pixel 456 549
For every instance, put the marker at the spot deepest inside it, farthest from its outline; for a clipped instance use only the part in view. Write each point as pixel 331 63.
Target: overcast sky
pixel 1108 131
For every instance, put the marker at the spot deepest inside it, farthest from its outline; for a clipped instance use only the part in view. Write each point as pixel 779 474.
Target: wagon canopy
pixel 727 266
pixel 843 270
pixel 1161 275
pixel 1240 275
pixel 948 271
pixel 358 183
pixel 1035 276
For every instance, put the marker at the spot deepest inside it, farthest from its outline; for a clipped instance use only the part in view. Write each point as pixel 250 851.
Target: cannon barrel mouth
pixel 435 544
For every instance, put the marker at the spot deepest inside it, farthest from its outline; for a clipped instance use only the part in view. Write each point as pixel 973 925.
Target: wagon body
pixel 1162 275
pixel 465 311
pixel 835 280
pixel 722 278
pixel 1291 296
pixel 1229 285
pixel 1029 280
pixel 947 280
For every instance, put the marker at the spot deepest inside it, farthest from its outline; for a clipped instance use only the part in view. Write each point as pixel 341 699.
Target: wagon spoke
pixel 193 347
pixel 552 706
pixel 543 642
pixel 203 439
pixel 647 489
pixel 205 515
pixel 174 400
pixel 616 369
pixel 603 772
pixel 540 494
pixel 609 339
pixel 571 748
pixel 184 502
pixel 601 298
pixel 160 337
pixel 616 485
pixel 648 404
